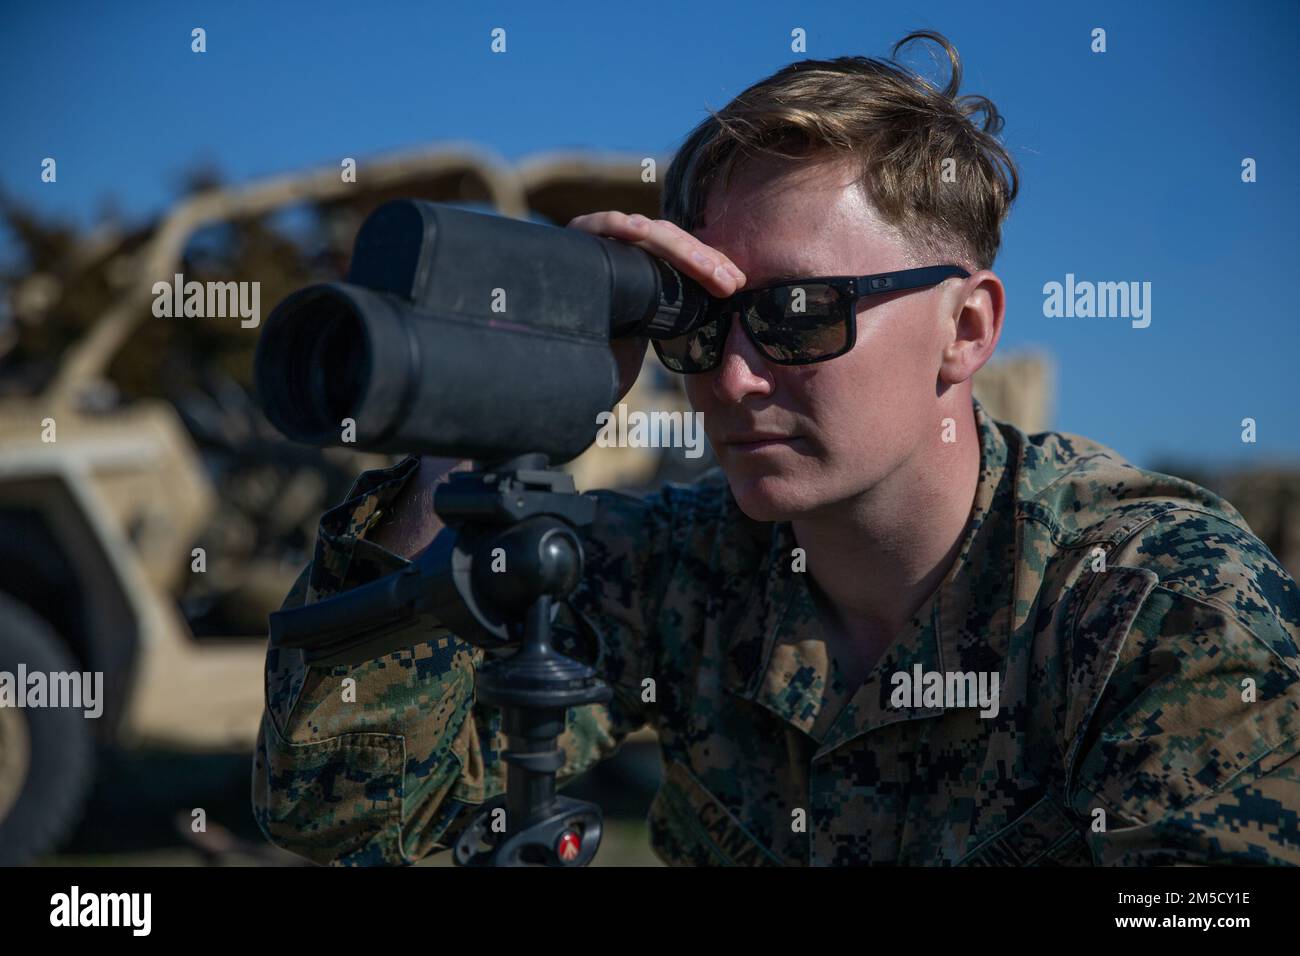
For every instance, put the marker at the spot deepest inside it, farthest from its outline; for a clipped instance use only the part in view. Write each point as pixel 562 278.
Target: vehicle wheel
pixel 46 753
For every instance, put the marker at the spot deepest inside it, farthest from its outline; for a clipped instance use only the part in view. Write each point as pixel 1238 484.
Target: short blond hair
pixel 893 125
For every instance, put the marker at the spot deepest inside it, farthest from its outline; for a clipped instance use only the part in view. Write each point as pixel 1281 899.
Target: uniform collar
pixel 775 653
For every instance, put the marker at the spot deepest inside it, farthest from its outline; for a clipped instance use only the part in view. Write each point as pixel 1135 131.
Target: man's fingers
pixel 703 263
pixel 610 223
pixel 659 237
pixel 722 260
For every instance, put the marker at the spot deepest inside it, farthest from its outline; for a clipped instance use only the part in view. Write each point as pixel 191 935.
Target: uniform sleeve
pixel 1192 751
pixel 384 762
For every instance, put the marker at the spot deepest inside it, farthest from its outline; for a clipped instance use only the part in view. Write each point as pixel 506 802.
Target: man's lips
pixel 748 441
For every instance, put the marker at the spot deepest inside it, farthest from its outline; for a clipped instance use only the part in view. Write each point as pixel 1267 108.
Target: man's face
pixel 851 421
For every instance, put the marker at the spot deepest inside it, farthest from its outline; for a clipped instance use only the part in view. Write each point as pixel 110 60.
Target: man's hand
pixel 679 248
pixel 413 523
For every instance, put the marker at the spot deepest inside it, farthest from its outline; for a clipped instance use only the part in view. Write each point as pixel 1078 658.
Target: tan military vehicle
pixel 120 528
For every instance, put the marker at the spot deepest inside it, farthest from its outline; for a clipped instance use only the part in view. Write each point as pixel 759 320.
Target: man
pixel 888 629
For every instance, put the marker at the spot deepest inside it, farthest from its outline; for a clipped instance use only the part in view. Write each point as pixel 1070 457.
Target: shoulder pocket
pixel 1102 625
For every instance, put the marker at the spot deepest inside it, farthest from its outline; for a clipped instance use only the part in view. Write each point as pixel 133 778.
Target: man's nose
pixel 742 370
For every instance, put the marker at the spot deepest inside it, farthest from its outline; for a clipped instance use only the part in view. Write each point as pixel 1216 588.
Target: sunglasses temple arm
pixel 918 279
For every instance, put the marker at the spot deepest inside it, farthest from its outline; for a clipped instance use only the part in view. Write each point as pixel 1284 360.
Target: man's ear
pixel 975 316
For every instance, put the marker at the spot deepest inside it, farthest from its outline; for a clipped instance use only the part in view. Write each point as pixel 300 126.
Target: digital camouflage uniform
pixel 1161 687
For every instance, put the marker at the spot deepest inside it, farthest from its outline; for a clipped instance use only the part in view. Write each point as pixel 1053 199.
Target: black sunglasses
pixel 793 323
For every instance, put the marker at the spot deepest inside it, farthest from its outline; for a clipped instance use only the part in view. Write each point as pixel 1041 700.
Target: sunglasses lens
pixel 800 323
pixel 792 324
pixel 696 351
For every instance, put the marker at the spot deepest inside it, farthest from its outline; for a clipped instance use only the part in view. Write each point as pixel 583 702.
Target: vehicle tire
pixel 46 753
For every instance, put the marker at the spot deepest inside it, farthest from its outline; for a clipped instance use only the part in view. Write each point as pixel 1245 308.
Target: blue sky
pixel 1130 160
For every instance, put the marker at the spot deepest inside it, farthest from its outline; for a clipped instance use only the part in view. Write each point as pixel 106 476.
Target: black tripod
pixel 508 557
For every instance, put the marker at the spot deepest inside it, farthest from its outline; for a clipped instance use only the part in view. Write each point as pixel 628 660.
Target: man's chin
pixel 770 497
